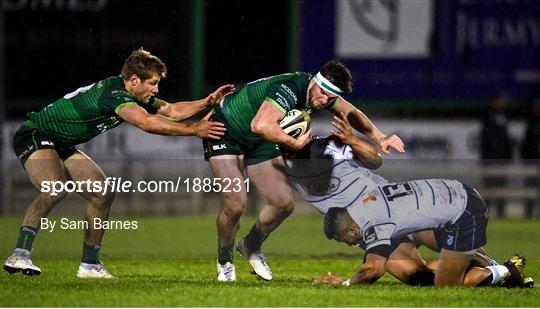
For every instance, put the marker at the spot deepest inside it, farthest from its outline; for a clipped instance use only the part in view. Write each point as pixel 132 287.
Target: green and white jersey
pixel 85 113
pixel 285 91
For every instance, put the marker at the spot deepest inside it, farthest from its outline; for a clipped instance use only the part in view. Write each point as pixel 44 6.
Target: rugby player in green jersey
pixel 252 117
pixel 45 146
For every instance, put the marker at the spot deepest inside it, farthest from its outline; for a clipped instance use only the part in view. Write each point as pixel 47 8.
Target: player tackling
pixel 251 116
pixel 45 146
pixel 361 208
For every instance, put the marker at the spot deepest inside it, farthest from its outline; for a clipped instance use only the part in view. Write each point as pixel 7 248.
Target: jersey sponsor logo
pixel 219 147
pixel 369 198
pixel 290 92
pixel 47 143
pixel 281 100
pixel 370 235
pixel 323 187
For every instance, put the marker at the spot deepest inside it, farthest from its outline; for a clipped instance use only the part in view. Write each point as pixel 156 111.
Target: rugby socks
pixel 254 239
pixel 91 254
pixel 225 254
pixel 26 237
pixel 498 273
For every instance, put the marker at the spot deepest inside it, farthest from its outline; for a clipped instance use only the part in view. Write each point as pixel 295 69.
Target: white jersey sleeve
pixel 332 176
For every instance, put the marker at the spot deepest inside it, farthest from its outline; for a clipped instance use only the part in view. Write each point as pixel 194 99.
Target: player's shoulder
pixel 114 89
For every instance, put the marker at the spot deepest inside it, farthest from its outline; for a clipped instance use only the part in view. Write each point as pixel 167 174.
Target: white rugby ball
pixel 295 123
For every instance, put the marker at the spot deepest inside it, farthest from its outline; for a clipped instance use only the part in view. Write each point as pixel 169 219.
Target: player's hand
pixel 302 141
pixel 344 129
pixel 215 97
pixel 392 141
pixel 329 278
pixel 209 129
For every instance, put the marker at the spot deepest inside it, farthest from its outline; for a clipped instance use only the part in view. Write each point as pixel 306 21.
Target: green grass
pixel 170 262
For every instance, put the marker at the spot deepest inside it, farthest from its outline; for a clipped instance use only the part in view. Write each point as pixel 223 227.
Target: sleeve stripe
pixel 155 104
pixel 276 104
pixel 333 104
pixel 119 107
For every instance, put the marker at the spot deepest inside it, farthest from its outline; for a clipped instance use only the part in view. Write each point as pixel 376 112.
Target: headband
pixel 326 84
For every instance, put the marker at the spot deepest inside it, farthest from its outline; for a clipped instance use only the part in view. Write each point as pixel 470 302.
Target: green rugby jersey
pixel 285 91
pixel 85 113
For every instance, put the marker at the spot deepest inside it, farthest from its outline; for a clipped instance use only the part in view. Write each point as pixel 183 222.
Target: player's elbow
pixel 375 274
pixel 259 127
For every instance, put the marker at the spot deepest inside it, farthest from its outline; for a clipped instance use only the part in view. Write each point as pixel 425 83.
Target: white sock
pixel 498 273
pixel 487 258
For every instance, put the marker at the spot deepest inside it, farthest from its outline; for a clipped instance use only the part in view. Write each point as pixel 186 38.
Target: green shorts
pixel 28 139
pixel 254 150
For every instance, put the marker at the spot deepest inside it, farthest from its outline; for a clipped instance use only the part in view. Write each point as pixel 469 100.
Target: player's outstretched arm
pixel 362 124
pixel 366 152
pixel 184 110
pixel 266 124
pixel 372 269
pixel 158 124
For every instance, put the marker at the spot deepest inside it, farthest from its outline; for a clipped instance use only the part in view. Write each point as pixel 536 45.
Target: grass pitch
pixel 171 262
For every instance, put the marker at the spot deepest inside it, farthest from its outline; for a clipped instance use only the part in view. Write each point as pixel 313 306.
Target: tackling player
pixel 251 117
pixel 337 173
pixel 45 146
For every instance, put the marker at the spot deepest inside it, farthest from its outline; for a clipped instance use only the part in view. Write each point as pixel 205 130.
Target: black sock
pixel 225 254
pixel 26 237
pixel 255 238
pixel 91 254
pixel 486 281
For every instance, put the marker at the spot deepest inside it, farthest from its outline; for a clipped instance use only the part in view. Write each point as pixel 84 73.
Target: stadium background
pixel 422 69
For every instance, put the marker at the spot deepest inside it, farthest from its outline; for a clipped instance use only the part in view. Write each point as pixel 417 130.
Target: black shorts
pixel 254 150
pixel 28 139
pixel 468 233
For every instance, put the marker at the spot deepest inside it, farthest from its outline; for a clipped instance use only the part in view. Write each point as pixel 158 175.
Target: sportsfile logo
pixel 113 184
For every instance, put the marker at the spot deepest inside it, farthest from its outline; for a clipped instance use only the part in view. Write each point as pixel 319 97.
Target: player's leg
pixel 406 265
pixel 42 165
pixel 452 267
pixel 80 168
pixel 271 181
pixel 228 220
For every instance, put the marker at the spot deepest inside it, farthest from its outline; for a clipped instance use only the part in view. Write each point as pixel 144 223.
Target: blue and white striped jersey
pixel 335 177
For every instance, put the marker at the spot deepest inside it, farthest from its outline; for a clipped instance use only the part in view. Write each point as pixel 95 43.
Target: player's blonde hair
pixel 143 64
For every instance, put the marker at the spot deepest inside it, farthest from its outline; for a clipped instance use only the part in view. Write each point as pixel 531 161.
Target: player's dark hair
pixel 331 221
pixel 143 64
pixel 338 74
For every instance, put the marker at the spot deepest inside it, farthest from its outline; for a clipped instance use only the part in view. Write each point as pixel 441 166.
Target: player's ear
pixel 134 80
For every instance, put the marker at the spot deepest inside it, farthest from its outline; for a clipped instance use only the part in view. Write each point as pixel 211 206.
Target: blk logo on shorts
pixel 219 147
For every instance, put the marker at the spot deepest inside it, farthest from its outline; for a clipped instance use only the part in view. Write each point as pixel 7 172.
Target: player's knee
pixel 52 198
pixel 419 276
pixel 234 211
pixel 104 200
pixel 287 209
pixel 283 202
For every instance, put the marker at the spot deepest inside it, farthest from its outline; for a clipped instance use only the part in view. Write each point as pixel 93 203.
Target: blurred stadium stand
pixel 423 69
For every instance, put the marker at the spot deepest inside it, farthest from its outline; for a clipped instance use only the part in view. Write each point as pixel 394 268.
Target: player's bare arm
pixel 183 110
pixel 266 124
pixel 362 124
pixel 362 149
pixel 372 269
pixel 158 124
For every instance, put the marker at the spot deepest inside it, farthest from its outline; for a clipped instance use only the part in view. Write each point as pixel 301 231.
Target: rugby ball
pixel 295 123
